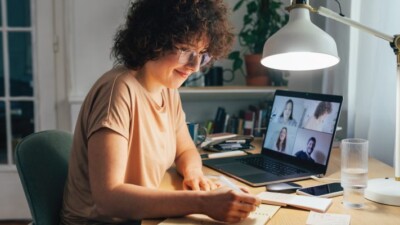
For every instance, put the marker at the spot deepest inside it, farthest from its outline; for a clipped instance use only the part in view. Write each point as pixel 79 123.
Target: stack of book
pixel 251 121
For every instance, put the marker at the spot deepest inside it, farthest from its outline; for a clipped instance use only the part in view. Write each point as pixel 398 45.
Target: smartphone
pixel 324 190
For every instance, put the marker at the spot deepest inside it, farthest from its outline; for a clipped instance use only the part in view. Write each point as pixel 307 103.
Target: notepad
pixel 258 217
pixel 304 202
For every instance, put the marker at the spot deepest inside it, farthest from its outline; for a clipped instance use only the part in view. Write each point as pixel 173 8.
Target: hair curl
pixel 322 108
pixel 154 27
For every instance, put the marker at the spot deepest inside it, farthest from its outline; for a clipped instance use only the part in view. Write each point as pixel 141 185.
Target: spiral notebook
pixel 258 217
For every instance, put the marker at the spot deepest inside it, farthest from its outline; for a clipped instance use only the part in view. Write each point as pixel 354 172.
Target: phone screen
pixel 322 190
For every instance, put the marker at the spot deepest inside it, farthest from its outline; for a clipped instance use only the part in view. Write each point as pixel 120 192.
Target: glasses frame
pixel 187 56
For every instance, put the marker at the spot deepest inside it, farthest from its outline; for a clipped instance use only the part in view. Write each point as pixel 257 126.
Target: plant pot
pixel 257 74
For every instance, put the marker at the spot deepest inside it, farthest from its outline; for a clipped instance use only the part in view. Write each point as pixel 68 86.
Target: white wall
pixel 91 26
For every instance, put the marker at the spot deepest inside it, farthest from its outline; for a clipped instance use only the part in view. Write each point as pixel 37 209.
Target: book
pixel 226 121
pixel 248 122
pixel 304 202
pixel 240 126
pixel 216 137
pixel 236 142
pixel 219 120
pixel 259 217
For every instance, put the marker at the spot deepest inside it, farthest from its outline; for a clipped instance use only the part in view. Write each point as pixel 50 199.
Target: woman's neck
pixel 153 89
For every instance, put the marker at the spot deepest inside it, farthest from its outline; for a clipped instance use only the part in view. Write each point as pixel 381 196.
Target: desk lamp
pixel 300 45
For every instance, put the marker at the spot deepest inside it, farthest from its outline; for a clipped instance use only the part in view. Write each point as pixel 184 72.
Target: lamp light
pixel 300 46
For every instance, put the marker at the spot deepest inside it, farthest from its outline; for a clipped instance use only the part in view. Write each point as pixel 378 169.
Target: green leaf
pixel 238 4
pixel 234 55
pixel 252 7
pixel 237 64
pixel 247 20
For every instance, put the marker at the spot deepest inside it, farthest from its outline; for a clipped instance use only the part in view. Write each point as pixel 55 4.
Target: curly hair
pixel 154 27
pixel 322 108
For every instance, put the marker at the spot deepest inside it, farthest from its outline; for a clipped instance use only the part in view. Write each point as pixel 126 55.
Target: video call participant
pixel 286 116
pixel 280 144
pixel 131 128
pixel 316 122
pixel 306 154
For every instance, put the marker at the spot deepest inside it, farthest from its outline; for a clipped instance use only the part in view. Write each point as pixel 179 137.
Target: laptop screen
pixel 302 125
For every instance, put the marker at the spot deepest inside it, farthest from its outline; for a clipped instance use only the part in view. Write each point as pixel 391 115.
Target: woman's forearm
pixel 136 202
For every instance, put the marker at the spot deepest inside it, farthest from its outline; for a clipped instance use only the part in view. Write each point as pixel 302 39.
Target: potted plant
pixel 262 19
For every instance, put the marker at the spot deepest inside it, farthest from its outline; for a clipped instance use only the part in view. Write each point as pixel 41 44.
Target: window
pixel 17 92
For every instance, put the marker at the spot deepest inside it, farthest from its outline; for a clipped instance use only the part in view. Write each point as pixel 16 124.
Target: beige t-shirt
pixel 118 102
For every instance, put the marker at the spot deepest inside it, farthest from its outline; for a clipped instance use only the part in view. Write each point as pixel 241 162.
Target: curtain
pixel 368 77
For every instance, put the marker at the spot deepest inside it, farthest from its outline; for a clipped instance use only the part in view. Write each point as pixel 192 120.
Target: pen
pixel 229 183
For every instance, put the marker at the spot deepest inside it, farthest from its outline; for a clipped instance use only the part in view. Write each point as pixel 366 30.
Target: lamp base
pixel 383 190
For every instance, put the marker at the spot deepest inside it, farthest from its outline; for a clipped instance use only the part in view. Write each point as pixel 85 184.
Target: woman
pixel 286 116
pixel 131 127
pixel 316 122
pixel 281 141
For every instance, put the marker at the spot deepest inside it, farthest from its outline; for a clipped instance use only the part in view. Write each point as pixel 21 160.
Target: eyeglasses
pixel 188 56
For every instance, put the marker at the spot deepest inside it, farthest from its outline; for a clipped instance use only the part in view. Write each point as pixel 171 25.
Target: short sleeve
pixel 111 108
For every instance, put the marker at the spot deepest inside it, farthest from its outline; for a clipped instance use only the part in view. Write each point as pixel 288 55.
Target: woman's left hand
pixel 195 180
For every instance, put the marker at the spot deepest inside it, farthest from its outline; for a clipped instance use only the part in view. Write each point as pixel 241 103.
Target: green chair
pixel 42 164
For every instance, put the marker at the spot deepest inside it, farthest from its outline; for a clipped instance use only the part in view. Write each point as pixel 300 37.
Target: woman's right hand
pixel 226 205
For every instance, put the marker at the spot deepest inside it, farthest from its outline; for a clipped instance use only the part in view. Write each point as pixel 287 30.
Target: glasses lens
pixel 205 58
pixel 186 57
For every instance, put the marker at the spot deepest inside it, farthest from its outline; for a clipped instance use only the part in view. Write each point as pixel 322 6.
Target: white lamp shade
pixel 300 45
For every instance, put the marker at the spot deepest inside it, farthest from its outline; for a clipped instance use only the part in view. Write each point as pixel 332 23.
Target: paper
pixel 259 217
pixel 226 154
pixel 315 218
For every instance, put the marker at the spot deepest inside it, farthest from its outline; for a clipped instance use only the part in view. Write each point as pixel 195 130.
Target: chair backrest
pixel 42 164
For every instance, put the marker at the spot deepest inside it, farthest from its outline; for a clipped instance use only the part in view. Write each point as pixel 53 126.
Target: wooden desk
pixel 373 213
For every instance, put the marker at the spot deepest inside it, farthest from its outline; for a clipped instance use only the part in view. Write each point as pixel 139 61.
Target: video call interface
pixel 302 128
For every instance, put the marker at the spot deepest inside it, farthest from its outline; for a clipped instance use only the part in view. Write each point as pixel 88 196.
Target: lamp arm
pixel 333 15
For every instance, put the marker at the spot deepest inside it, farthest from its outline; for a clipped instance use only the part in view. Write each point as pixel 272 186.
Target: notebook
pixel 297 141
pixel 259 217
pixel 303 202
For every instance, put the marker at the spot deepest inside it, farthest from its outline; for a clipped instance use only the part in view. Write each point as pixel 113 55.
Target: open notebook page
pixel 258 217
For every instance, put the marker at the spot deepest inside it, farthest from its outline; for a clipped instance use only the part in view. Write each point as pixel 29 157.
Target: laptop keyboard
pixel 271 166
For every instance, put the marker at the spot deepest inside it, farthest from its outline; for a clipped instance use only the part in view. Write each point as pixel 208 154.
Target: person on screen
pixel 131 127
pixel 280 144
pixel 316 121
pixel 286 116
pixel 306 154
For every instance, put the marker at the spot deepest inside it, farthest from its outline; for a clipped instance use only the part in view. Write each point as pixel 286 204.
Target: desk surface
pixel 373 213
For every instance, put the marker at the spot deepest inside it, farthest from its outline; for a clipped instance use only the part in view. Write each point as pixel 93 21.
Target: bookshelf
pixel 201 103
pixel 227 92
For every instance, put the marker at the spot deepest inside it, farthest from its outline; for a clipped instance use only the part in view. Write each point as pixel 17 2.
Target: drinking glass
pixel 354 171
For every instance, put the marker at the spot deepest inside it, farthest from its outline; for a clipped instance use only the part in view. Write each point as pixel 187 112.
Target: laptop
pixel 297 142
